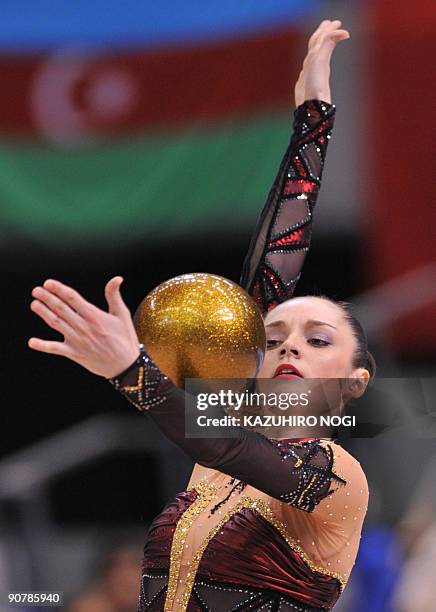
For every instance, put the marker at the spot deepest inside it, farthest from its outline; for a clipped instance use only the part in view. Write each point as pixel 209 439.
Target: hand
pixel 314 79
pixel 104 343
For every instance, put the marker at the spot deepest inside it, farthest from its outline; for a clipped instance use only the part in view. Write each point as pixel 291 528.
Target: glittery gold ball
pixel 201 326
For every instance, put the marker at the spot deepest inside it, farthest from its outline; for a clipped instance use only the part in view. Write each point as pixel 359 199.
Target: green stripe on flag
pixel 136 187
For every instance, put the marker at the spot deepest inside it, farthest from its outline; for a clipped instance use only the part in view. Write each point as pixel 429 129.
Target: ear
pixel 358 382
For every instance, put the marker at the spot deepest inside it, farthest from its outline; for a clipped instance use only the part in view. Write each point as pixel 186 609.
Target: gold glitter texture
pixel 206 492
pixel 201 326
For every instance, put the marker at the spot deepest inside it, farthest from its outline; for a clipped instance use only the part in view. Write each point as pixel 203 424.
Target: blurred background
pixel 141 139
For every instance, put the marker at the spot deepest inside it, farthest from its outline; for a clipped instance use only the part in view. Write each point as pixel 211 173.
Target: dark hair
pixel 362 356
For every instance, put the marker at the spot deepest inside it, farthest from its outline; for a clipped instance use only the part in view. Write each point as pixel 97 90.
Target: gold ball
pixel 201 326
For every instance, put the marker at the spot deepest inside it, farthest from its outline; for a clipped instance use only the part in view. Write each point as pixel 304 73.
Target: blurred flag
pixel 402 157
pixel 127 118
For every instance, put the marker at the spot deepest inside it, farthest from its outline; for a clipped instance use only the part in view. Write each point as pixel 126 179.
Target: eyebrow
pixel 315 322
pixel 311 322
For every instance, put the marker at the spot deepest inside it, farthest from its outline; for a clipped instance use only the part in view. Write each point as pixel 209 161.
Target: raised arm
pixel 283 233
pixel 106 343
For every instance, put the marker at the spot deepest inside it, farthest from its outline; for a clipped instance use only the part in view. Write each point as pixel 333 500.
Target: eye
pixel 318 342
pixel 272 343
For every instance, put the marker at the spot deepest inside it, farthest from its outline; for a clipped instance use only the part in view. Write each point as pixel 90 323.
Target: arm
pixel 298 474
pixel 283 233
pixel 282 236
pixel 105 343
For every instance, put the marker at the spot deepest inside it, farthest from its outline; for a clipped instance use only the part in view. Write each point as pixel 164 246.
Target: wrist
pixel 130 363
pixel 142 383
pixel 321 100
pixel 313 110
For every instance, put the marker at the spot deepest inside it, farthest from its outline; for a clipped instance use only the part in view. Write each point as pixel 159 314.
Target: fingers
pixel 338 35
pixel 112 293
pixel 51 318
pixel 72 298
pixel 327 31
pixel 49 346
pixel 332 33
pixel 59 309
pixel 315 36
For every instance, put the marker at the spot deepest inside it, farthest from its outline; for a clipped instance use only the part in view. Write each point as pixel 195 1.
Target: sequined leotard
pixel 263 524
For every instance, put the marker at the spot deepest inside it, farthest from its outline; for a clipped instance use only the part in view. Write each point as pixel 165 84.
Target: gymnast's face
pixel 311 336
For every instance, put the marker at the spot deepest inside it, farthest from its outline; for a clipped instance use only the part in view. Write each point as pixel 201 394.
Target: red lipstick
pixel 286 370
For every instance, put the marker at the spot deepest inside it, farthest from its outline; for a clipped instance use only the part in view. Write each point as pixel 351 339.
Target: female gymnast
pixel 264 523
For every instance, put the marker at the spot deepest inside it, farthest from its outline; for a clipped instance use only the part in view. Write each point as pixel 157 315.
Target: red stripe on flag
pixel 125 92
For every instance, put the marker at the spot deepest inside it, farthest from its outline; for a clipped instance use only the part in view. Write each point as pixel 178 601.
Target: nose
pixel 289 347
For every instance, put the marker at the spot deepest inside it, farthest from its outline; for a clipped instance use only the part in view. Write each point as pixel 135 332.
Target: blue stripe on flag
pixel 40 25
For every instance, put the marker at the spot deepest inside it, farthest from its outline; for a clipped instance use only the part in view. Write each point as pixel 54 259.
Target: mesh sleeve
pixel 283 233
pixel 297 473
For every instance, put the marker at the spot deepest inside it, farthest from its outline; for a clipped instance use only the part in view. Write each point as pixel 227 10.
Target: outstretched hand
pixel 104 343
pixel 314 79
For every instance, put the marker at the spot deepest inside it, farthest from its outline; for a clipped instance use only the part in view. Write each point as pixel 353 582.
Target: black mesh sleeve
pixel 282 236
pixel 297 473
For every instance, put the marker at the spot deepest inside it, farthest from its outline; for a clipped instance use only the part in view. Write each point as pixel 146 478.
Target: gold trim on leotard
pixel 206 493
